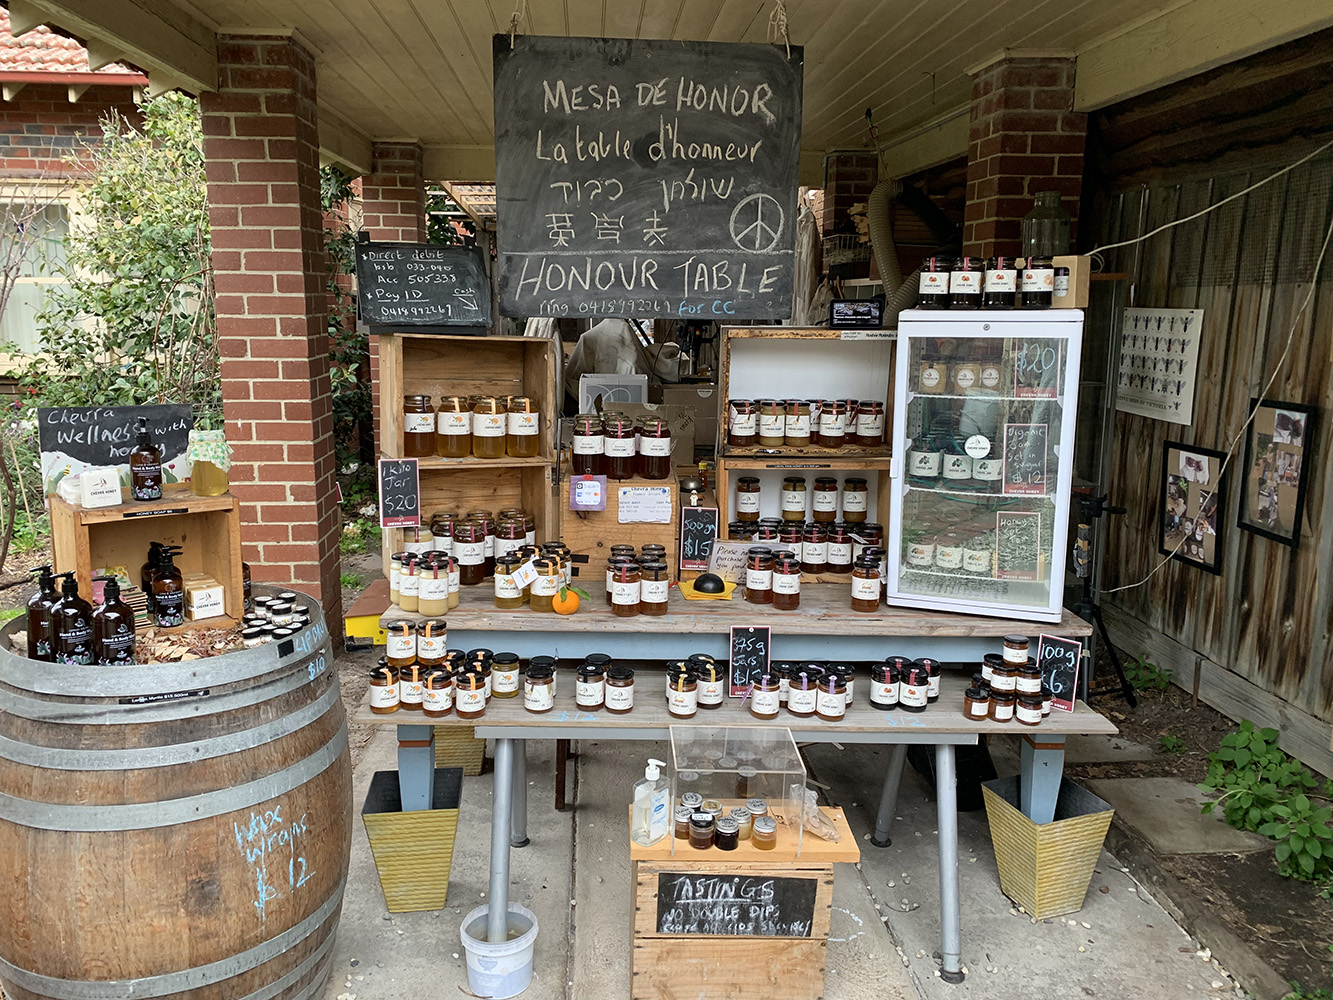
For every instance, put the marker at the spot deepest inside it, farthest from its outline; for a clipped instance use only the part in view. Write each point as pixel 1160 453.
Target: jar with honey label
pixel 470 551
pixel 654 448
pixel 590 693
pixel 418 427
pixel 794 493
pixel 839 559
pixel 682 694
pixel 470 695
pixel 453 427
pixel 411 687
pixel 654 588
pixel 796 424
pixel 802 695
pixel 506 675
pixel 488 427
pixel 869 431
pixel 759 576
pixel 766 697
pixel 547 585
pixel 589 450
pixel 865 585
pixel 855 499
pixel 831 698
pixel 965 283
pixel 508 594
pixel 626 586
pixel 747 498
pixel 400 643
pixel 825 499
pixel 384 690
pixel 832 424
pixel 619 689
pixel 438 694
pixel 487 521
pixel 442 533
pixel 523 425
pixel 432 587
pixel 510 535
pixel 786 583
pixel 742 423
pixel 432 638
pixel 616 561
pixel 712 686
pixel 772 423
pixel 976 703
pixel 621 444
pixel 539 686
pixel 814 550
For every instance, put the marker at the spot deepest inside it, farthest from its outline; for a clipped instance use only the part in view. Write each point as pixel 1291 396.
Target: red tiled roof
pixel 42 50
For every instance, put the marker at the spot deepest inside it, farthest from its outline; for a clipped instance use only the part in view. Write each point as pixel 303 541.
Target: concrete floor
pixel 1129 948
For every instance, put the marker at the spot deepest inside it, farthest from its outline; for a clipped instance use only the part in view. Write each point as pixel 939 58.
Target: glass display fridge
pixel 984 410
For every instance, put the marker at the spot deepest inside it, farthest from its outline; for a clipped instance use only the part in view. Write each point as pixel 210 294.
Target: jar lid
pixel 1017 640
pixel 851 481
pixel 387 674
pixel 254 632
pixel 1031 700
pixel 504 660
pixel 655 566
pixel 992 659
pixel 1030 668
pixel 979 680
pixel 826 481
pixel 727 825
pixel 540 671
pixel 793 479
pixel 401 627
pixel 692 799
pixel 438 678
pixel 977 693
pixel 936 263
pixel 916 676
pixel 701 820
pixel 480 654
pixel 747 772
pixel 1003 695
pixel 748 480
pixel 587 669
pixel 765 824
pixel 545 662
pixel 683 814
pixel 1046 692
pixel 416 399
pixel 932 665
pixel 1000 263
pixel 885 673
pixel 757 807
pixel 740 814
pixel 620 672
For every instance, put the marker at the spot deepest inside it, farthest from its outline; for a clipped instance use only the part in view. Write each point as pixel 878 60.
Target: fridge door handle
pixel 895 467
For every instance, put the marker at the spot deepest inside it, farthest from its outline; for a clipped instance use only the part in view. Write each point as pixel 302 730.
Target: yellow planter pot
pixel 413 851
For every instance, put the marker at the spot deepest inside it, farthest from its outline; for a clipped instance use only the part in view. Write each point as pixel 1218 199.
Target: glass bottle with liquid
pixel 589 448
pixel 418 427
pixel 522 427
pixel 453 427
pixel 488 427
pixel 654 449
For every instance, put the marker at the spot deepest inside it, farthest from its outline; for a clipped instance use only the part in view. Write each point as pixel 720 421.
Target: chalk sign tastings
pixel 73 438
pixel 1059 659
pixel 751 649
pixel 640 177
pixel 735 905
pixel 400 493
pixel 1025 459
pixel 422 285
pixel 698 531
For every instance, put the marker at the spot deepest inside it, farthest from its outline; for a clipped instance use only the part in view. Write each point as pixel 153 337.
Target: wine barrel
pixel 173 831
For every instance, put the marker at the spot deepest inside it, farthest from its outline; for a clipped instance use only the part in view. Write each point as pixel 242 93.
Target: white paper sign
pixel 1159 358
pixel 645 505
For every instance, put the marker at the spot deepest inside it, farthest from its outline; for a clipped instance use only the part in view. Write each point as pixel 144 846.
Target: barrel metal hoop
pixel 170 812
pixel 185 979
pixel 59 759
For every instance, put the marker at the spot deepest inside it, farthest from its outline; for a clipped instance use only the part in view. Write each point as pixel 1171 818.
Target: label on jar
pixel 793 500
pixel 682 702
pixel 433 588
pixel 470 553
pixel 538 697
pixel 454 423
pixel 383 695
pixel 758 579
pixel 624 593
pixel 589 694
pixel 431 647
pixel 588 444
pixel 439 699
pixel 865 590
pixel 1004 711
pixel 949 556
pixel 418 423
pixel 831 703
pixel 957 467
pixel 786 583
pixel 933 688
pixel 1038 279
pixel 802 701
pixel 923 463
pixel 965 282
pixel 444 543
pixel 395 574
pixel 409 584
pixel 1003 682
pixel 488 547
pixel 504 546
pixel 619 447
pixel 990 376
pixel 620 698
pixel 411 692
pixel 933 283
pixel 504 680
pixel 747 503
pixel 869 424
pixel 797 425
pixel 986 671
pixel 977 446
pixel 814 552
pixel 742 424
pixel 854 501
pixel 1028 714
pixel 1029 685
pixel 400 647
pixel 965 376
pixel 467 699
pixel 523 424
pixel 506 587
pixel 883 693
pixel 654 591
pixel 989 469
pixel 711 692
pixel 832 423
pixel 766 702
pixel 840 553
pixel 656 447
pixel 488 425
pixel 1061 290
pixel 1017 655
pixel 826 500
pixel 930 378
pixel 914 695
pixel 979 709
pixel 920 554
pixel 455 579
pixel 977 560
pixel 772 424
pixel 1001 281
pixel 547 586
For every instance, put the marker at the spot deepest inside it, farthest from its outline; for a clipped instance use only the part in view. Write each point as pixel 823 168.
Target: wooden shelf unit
pixel 592 533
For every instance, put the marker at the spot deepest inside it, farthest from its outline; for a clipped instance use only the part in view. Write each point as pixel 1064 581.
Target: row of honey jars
pixel 617 446
pixel 471 426
pixel 637 583
pixel 533 576
pixel 797 499
pixel 791 534
pixel 800 423
pixel 459 535
pixel 994 283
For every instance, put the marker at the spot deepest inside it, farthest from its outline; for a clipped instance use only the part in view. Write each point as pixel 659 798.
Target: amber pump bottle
pixel 148 571
pixel 145 466
pixel 113 626
pixel 168 591
pixel 71 625
pixel 39 615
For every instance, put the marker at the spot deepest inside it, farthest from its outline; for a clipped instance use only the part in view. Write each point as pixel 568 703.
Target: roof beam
pixel 343 146
pixel 11 90
pixel 937 141
pixel 1186 39
pixel 23 17
pixel 154 34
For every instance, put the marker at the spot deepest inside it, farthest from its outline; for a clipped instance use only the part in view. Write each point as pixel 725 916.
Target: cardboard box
pixel 204 599
pixel 702 401
pixel 1080 273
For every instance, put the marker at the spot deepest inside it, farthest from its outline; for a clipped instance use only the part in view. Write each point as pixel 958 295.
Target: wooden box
pixel 208 529
pixel 592 533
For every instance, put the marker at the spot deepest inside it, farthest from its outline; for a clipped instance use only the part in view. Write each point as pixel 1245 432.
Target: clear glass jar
pixel 589 448
pixel 865 585
pixel 825 499
pixel 418 427
pixel 1045 229
pixel 442 533
pixel 506 675
pixel 727 834
pixel 759 576
pixel 453 427
pixel 438 694
pixel 976 703
pixel 1028 710
pixel 626 586
pixel 839 559
pixel 914 694
pixel 539 686
pixel 885 684
pixel 547 585
pixel 712 691
pixel 832 424
pixel 831 698
pixel 682 822
pixel 621 445
pixel 742 423
pixel 508 594
pixel 619 689
pixel 411 687
pixel 654 448
pixel 523 424
pixel 870 535
pixel 470 551
pixel 654 588
pixel 487 521
pixel 794 493
pixel 703 830
pixel 772 423
pixel 786 583
pixel 802 694
pixel 1002 705
pixel 612 565
pixel 796 426
pixel 510 534
pixel 470 695
pixel 764 833
pixel 743 821
pixel 432 586
pixel 869 424
pixel 747 499
pixel 814 550
pixel 488 427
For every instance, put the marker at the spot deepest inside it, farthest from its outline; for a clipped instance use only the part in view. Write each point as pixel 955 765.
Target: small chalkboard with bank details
pixel 1058 659
pixel 422 287
pixel 400 493
pixel 698 531
pixel 751 650
pixel 735 905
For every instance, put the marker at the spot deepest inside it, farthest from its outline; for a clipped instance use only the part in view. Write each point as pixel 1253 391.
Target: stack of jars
pixel 695 683
pixel 424 582
pixel 471 426
pixel 992 283
pixel 637 582
pixel 1009 687
pixel 901 682
pixel 619 447
pixel 798 501
pixel 418 674
pixel 800 423
pixel 599 683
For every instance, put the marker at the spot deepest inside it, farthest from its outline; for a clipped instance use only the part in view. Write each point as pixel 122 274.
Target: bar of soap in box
pixel 203 598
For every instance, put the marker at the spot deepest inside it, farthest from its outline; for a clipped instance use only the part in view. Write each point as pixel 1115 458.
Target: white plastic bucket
pixel 497 971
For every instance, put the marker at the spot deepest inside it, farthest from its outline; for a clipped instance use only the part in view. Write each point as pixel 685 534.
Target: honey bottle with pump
pixel 145 466
pixel 71 625
pixel 168 591
pixel 39 615
pixel 113 626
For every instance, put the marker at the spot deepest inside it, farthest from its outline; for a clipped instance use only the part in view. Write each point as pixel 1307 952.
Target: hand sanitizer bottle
pixel 651 818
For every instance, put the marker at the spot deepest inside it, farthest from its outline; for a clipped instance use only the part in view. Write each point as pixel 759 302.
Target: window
pixel 40 250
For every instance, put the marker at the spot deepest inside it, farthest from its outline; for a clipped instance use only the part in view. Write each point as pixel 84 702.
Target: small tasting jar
pixel 832 423
pixel 544 589
pixel 1002 705
pixel 654 588
pixel 683 695
pixel 976 703
pixel 655 448
pixel 619 689
pixel 712 806
pixel 814 549
pixel 934 670
pixel 869 427
pixel 469 695
pixel 692 801
pixel 539 686
pixel 411 687
pixel 508 594
pixel 794 493
pixel 453 427
pixel 728 834
pixel 914 694
pixel 744 821
pixel 1046 696
pixel 772 423
pixel 591 686
pixel 1004 678
pixel 470 551
pixel 702 830
pixel 621 443
pixel 766 697
pixel 759 576
pixel 802 695
pixel 757 807
pixel 831 698
pixel 865 585
pixel 840 545
pixel 418 427
pixel 409 583
pixel 384 690
pixel 1028 710
pixel 742 423
pixel 589 448
pixel 1000 287
pixel 682 816
pixel 712 690
pixel 988 664
pixel 523 423
pixel 432 586
pixel 625 589
pixel 786 583
pixel 438 694
pixel 796 425
pixel 885 686
pixel 933 285
pixel 825 499
pixel 764 833
pixel 400 643
pixel 1016 649
pixel 747 498
pixel 745 783
pixel 1029 679
pixel 506 675
pixel 432 637
pixel 488 427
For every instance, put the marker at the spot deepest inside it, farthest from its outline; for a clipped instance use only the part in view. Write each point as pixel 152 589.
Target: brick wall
pixel 40 129
pixel 849 177
pixel 1024 139
pixel 262 163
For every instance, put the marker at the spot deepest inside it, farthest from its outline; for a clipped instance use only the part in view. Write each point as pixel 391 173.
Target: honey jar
pixel 772 423
pixel 589 451
pixel 794 492
pixel 438 694
pixel 453 427
pixel 654 444
pixel 418 427
pixel 488 427
pixel 759 575
pixel 832 424
pixel 522 427
pixel 869 431
pixel 796 424
pixel 742 423
pixel 825 499
pixel 747 498
pixel 383 690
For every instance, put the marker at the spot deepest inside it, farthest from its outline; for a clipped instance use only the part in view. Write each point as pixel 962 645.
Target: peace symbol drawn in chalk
pixel 756 223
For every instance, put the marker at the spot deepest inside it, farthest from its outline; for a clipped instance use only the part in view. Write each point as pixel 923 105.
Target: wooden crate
pixel 592 533
pixel 208 529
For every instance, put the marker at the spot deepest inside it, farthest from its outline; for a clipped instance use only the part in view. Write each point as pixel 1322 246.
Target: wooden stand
pixel 592 533
pixel 208 530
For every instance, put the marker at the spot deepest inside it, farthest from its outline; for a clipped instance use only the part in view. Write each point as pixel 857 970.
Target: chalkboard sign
pixel 72 438
pixel 400 493
pixel 751 649
pixel 735 905
pixel 1059 659
pixel 1018 545
pixel 647 178
pixel 1025 459
pixel 1037 368
pixel 421 285
pixel 698 531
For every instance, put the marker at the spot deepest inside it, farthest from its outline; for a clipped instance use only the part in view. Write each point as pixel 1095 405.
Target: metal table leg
pixel 518 820
pixel 497 916
pixel 946 796
pixel 416 767
pixel 888 798
pixel 1041 766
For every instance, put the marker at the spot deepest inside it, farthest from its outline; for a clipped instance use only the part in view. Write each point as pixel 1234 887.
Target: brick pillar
pixel 849 177
pixel 393 207
pixel 1024 139
pixel 261 151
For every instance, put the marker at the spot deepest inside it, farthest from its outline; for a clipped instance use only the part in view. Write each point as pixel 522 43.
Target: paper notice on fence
pixel 1159 357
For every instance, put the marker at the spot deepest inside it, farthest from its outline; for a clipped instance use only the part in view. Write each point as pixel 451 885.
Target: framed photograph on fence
pixel 1192 503
pixel 1276 470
